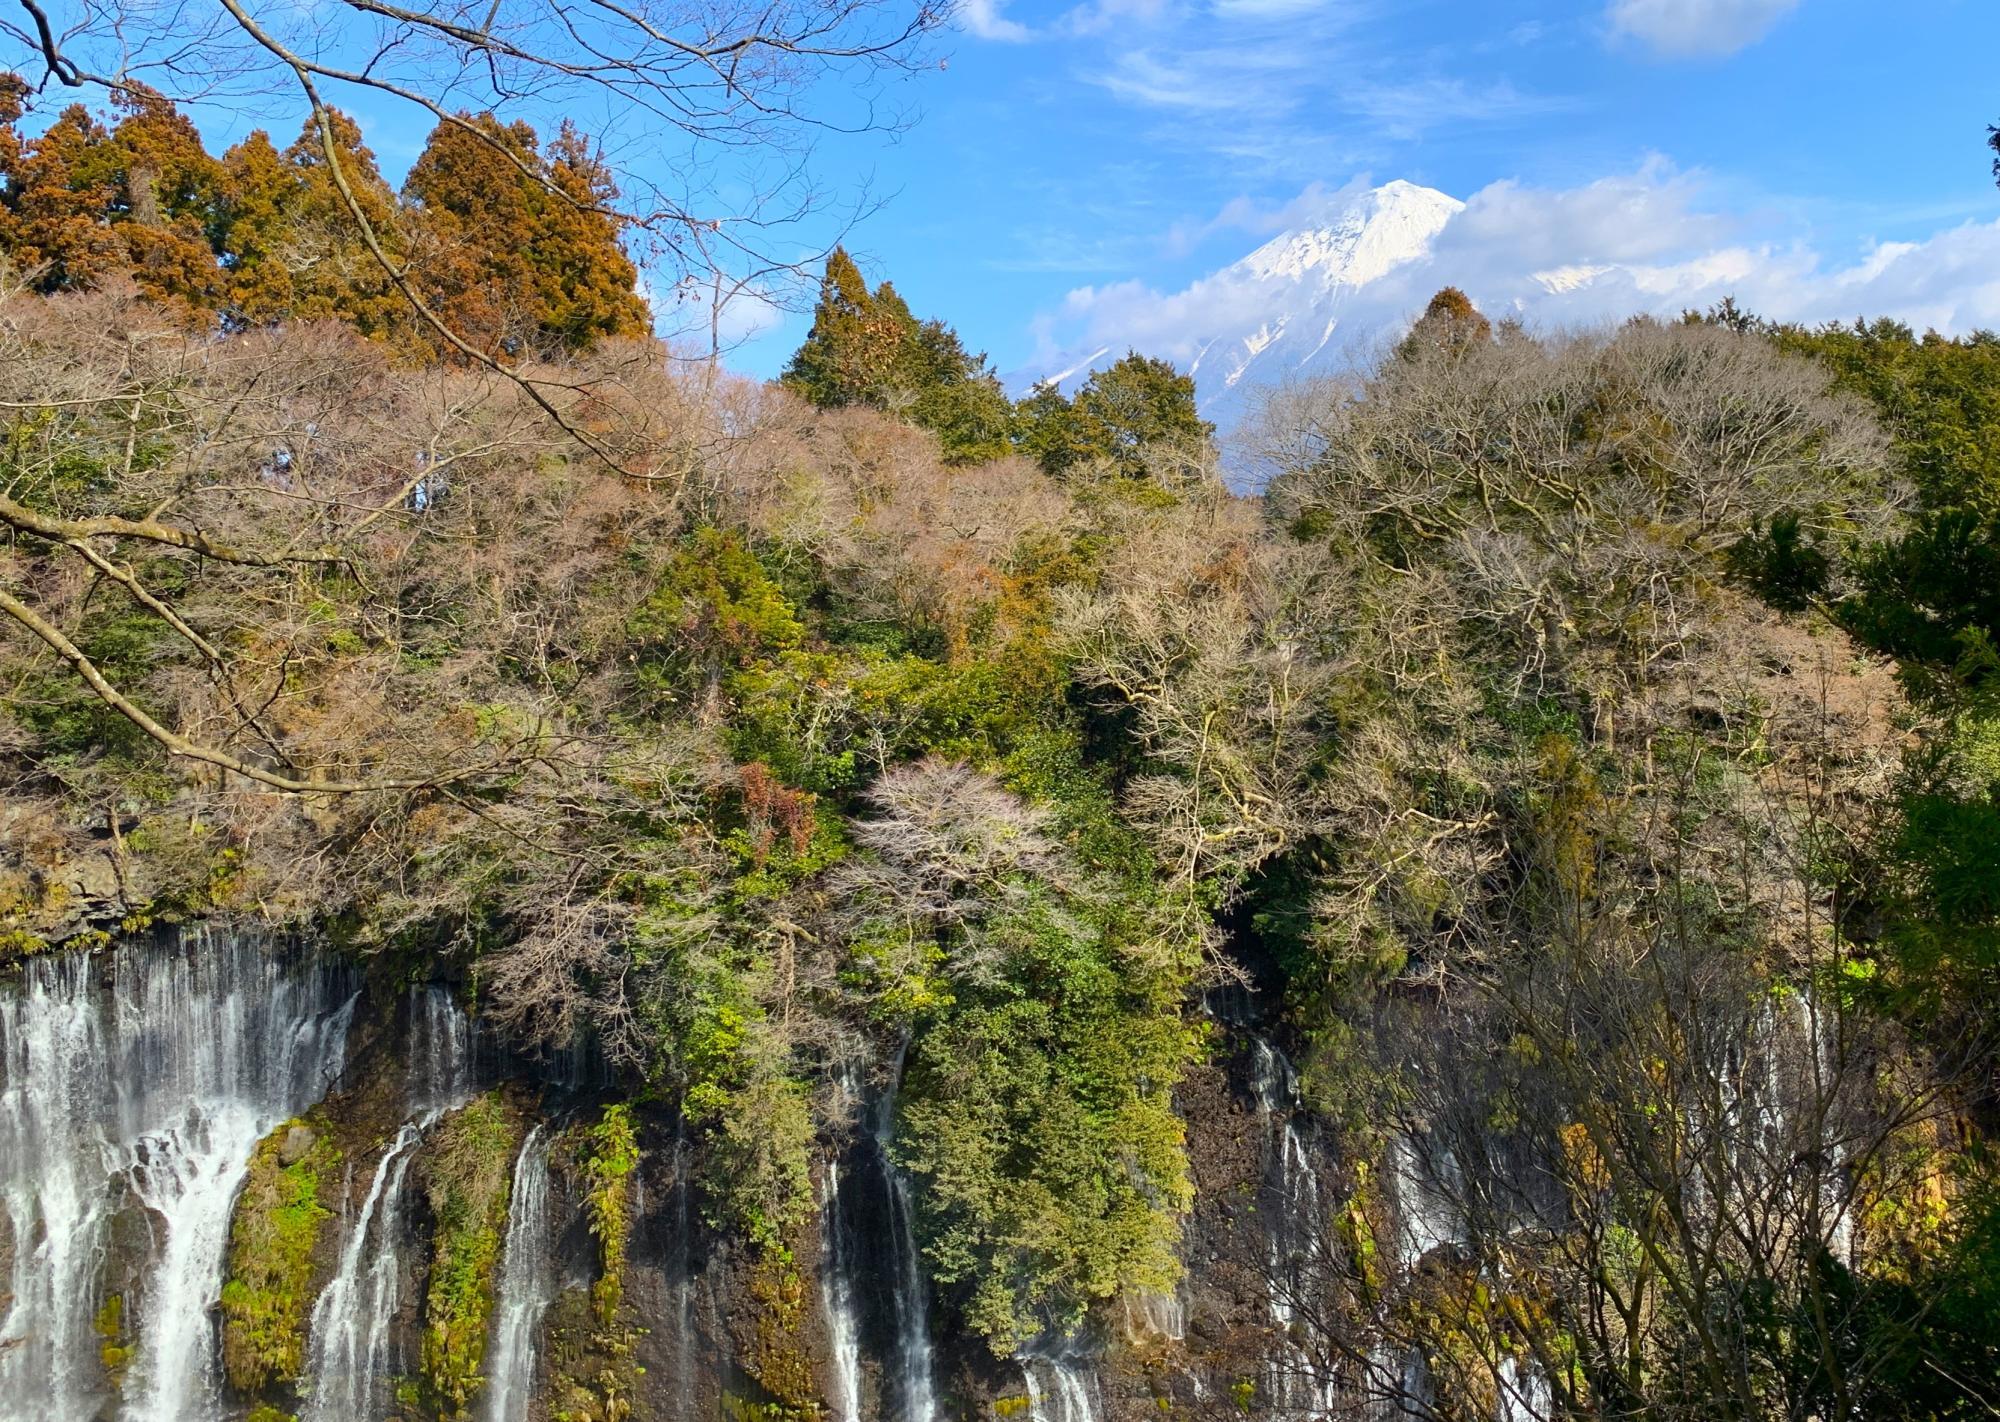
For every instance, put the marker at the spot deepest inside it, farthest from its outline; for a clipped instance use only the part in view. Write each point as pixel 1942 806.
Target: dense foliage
pixel 510 243
pixel 1583 754
pixel 1133 419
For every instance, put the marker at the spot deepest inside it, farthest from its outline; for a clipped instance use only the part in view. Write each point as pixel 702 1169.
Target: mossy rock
pixel 592 1340
pixel 114 1342
pixel 779 1357
pixel 468 1167
pixel 267 1296
pixel 592 1372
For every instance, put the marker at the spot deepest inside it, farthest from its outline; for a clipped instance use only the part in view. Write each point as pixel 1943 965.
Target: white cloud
pixel 983 19
pixel 1686 29
pixel 1407 108
pixel 1246 214
pixel 698 314
pixel 1625 244
pixel 1243 79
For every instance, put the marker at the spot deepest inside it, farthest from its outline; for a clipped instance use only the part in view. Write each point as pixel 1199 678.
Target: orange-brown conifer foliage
pixel 515 246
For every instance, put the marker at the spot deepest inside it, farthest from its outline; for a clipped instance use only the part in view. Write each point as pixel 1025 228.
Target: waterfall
pixel 1523 1393
pixel 1062 1386
pixel 843 1316
pixel 143 1077
pixel 1425 1221
pixel 853 1268
pixel 350 1357
pixel 527 1284
pixel 1297 1388
pixel 682 1264
pixel 441 1063
pixel 351 1318
pixel 911 1296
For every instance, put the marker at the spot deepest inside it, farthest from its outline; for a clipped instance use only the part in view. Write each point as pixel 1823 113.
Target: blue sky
pixel 1148 141
pixel 1071 168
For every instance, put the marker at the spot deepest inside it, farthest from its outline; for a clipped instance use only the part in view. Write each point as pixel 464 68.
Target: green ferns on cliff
pixel 590 1331
pixel 267 1297
pixel 467 1160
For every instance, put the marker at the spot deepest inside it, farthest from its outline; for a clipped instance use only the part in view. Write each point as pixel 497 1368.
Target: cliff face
pixel 247 1181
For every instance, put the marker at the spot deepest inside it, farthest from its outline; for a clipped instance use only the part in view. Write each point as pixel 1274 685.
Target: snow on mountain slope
pixel 1290 305
pixel 1334 290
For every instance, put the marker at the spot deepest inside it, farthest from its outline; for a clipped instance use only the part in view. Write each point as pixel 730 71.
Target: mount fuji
pixel 1306 300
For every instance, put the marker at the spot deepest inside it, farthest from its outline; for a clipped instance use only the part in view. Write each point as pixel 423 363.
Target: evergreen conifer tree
pixel 511 247
pixel 867 348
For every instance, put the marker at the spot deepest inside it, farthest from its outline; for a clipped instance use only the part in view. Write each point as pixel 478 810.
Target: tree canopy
pixel 866 348
pixel 514 244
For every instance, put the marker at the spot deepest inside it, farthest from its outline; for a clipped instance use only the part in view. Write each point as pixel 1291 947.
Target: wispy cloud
pixel 1229 79
pixel 983 19
pixel 1244 214
pixel 1688 29
pixel 1409 108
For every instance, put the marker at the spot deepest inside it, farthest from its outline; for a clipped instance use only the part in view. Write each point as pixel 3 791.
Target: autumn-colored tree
pixel 292 247
pixel 84 202
pixel 164 187
pixel 13 99
pixel 514 249
pixel 54 231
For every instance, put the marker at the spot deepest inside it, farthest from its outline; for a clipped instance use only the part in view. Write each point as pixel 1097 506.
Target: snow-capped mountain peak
pixel 1286 306
pixel 1374 233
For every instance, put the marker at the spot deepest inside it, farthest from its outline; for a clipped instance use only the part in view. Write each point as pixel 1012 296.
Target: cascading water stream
pixel 1297 1389
pixel 527 1284
pixel 350 1320
pixel 351 1350
pixel 915 1366
pixel 1424 1221
pixel 1061 1385
pixel 682 1264
pixel 143 1079
pixel 1523 1394
pixel 442 1051
pixel 852 1267
pixel 843 1313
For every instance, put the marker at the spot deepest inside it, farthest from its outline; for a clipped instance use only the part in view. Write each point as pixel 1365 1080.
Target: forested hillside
pixel 952 912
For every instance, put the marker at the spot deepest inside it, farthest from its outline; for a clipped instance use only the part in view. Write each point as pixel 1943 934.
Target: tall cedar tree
pixel 866 348
pixel 165 189
pixel 1451 324
pixel 81 202
pixel 511 263
pixel 54 226
pixel 513 245
pixel 292 246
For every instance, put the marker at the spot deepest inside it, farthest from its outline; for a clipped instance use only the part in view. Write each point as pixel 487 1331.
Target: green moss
pixel 264 1412
pixel 114 1346
pixel 591 1341
pixel 592 1373
pixel 779 1359
pixel 268 1293
pixel 609 1155
pixel 468 1172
